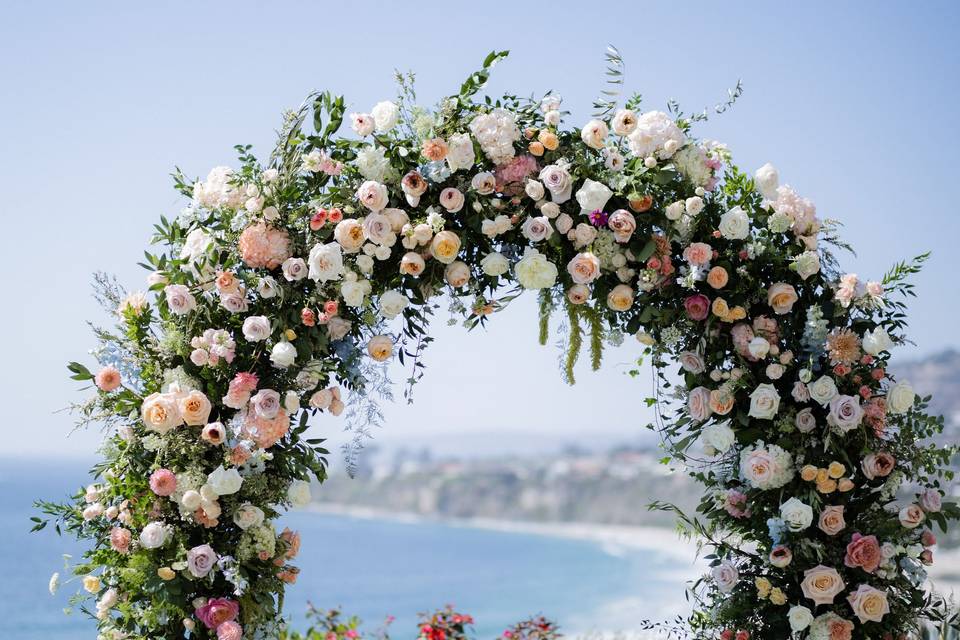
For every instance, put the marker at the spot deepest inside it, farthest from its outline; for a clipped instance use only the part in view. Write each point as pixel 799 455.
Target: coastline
pixel 614 539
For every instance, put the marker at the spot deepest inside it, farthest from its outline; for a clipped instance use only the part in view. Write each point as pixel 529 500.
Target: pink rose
pixel 742 335
pixel 877 465
pixel 911 516
pixel 930 500
pixel 218 611
pixel 120 539
pixel 767 328
pixel 927 538
pixel 697 307
pixel 863 552
pixel 584 268
pixel 201 560
pixel 266 403
pixel 451 199
pixel 831 520
pixel 623 224
pixel 698 404
pixel 698 253
pixel 163 482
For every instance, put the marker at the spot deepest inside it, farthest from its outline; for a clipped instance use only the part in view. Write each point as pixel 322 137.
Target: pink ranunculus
pixel 697 307
pixel 864 552
pixel 217 611
pixel 163 482
pixel 229 631
pixel 107 379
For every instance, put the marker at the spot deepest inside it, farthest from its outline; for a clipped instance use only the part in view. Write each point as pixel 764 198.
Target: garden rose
pixel 781 297
pixel 373 195
pixel 494 264
pixel 592 195
pixel 822 584
pixel 283 354
pixel 385 115
pixel 931 500
pixel 717 277
pixel 217 611
pixel 457 274
pixel 160 413
pixel 584 268
pixel 224 482
pixel 869 604
pixel 451 199
pixel 877 465
pixel 247 515
pixel 594 134
pixel 697 307
pixel 194 408
pixel 768 467
pixel 698 404
pixel 911 516
pixel 623 224
pixel 534 271
pixel 445 246
pixel 201 560
pixel 764 402
pixel 620 297
pixel 831 520
pixel 799 617
pixel 692 362
pixel 380 348
pixel 864 552
pixel 624 122
pixel 154 535
pixel 718 436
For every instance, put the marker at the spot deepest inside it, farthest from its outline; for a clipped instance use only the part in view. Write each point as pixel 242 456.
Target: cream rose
pixel 224 482
pixel 799 617
pixel 767 180
pixel 412 264
pixel 735 224
pixel 620 297
pixel 781 297
pixel 457 274
pixel 380 347
pixel 326 262
pixel 594 134
pixel 537 228
pixel 831 520
pixel 900 397
pixel 534 271
pixel 349 234
pixel 558 182
pixel 373 195
pixel 868 603
pixel 725 576
pixel 822 584
pixel 796 515
pixel 494 264
pixel 445 246
pixel 584 268
pixel 823 390
pixel 911 516
pixel 160 412
pixel 718 436
pixel 392 303
pixel 194 408
pixel 764 402
pixel 154 535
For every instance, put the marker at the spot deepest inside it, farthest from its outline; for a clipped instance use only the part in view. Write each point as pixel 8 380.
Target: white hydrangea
pixel 216 191
pixel 496 132
pixel 656 135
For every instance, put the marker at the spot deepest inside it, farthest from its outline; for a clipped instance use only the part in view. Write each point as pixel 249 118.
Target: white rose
pixel 460 153
pixel 196 245
pixel 675 209
pixel 552 117
pixel 726 576
pixel 291 402
pixel 735 224
pixel 224 482
pixel 693 205
pixel 550 209
pixel 373 195
pixel 494 264
pixel 764 402
pixel 877 341
pixel 797 515
pixel 594 133
pixel 299 493
pixel 800 618
pixel 294 269
pixel 900 397
pixel 719 436
pixel 534 271
pixel 283 355
pixel 154 535
pixel 767 180
pixel 592 195
pixel 558 182
pixel 247 516
pixel 823 390
pixel 354 292
pixel 535 189
pixel 564 222
pixel 386 115
pixel 807 264
pixel 326 262
pixel 267 287
pixel 392 303
pixel 362 123
pixel 758 348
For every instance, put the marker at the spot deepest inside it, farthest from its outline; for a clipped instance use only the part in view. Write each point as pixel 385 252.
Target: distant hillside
pixel 938 374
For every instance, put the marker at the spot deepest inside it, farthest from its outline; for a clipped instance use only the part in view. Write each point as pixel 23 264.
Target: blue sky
pixel 854 103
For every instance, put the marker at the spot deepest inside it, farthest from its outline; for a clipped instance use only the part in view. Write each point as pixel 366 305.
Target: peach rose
pixel 578 294
pixel 380 347
pixel 160 413
pixel 620 298
pixel 863 552
pixel 457 274
pixel 445 246
pixel 877 465
pixel 698 253
pixel 821 584
pixel 227 282
pixel 434 149
pixel 195 408
pixel 107 379
pixel 721 402
pixel 869 604
pixel 698 404
pixel 584 268
pixel 781 297
pixel 349 234
pixel 831 520
pixel 717 277
pixel 623 224
pixel 548 139
pixel 911 516
pixel 412 264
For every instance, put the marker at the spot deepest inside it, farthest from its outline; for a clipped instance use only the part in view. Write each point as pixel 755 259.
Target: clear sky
pixel 855 103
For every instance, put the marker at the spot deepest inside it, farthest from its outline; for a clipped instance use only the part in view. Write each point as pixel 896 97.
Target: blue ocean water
pixel 372 568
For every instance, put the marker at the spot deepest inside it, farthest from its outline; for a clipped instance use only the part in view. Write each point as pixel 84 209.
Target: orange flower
pixel 718 278
pixel 434 149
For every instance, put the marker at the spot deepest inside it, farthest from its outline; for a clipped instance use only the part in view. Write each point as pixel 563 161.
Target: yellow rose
pixel 380 348
pixel 91 584
pixel 809 473
pixel 763 587
pixel 720 308
pixel 836 470
pixel 827 486
pixel 845 484
pixel 195 408
pixel 290 334
pixel 166 573
pixel 781 297
pixel 777 596
pixel 445 246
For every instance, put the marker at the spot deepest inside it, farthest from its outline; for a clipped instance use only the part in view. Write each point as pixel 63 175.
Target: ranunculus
pixel 256 328
pixel 831 520
pixel 799 617
pixel 380 347
pixel 592 195
pixel 845 413
pixel 445 246
pixel 494 264
pixel 931 501
pixel 796 515
pixel 822 584
pixel 154 535
pixel 735 224
pixel 201 560
pixel 868 603
pixel 764 402
pixel 194 408
pixel 864 552
pixel 900 397
pixel 725 576
pixel 594 134
pixel 698 404
pixel 534 271
pixel 584 268
pixel 412 264
pixel 224 481
pixel 718 436
pixel 620 297
pixel 823 390
pixel 911 516
pixel 373 195
pixel 160 413
pixel 697 307
pixel 283 354
pixel 805 421
pixel 298 493
pixel 781 297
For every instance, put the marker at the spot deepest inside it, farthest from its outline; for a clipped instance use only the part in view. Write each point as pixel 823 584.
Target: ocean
pixel 371 567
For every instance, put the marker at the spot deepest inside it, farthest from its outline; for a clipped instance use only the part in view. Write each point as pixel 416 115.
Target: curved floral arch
pixel 281 285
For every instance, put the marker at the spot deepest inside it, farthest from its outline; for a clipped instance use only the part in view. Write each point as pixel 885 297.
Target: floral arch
pixel 281 285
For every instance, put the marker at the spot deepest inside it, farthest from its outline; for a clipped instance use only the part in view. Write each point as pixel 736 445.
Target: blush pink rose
pixel 877 465
pixel 863 552
pixel 931 501
pixel 831 520
pixel 120 539
pixel 218 611
pixel 163 482
pixel 107 379
pixel 697 307
pixel 822 584
pixel 742 335
pixel 698 253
